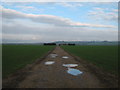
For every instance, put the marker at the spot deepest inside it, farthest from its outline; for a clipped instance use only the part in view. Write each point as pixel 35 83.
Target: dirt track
pixel 56 76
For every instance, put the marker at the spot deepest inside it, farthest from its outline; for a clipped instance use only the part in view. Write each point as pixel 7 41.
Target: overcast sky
pixel 47 22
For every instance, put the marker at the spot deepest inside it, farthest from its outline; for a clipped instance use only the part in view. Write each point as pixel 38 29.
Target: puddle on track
pixel 49 62
pixel 53 55
pixel 70 65
pixel 65 57
pixel 74 72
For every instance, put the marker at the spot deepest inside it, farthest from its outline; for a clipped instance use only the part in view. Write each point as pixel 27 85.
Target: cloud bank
pixel 22 27
pixel 48 19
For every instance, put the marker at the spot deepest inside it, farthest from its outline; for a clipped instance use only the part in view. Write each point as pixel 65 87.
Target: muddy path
pixel 54 72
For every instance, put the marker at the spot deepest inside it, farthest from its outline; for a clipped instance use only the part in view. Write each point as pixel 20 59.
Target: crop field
pixel 15 57
pixel 105 57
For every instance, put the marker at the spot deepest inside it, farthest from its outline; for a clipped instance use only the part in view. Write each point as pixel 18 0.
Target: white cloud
pixel 101 14
pixel 48 19
pixel 70 5
pixel 30 9
pixel 24 7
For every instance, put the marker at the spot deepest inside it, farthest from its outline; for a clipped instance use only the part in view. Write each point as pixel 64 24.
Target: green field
pixel 15 57
pixel 105 57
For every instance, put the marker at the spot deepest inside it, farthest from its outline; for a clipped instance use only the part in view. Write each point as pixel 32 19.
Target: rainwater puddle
pixel 65 57
pixel 74 72
pixel 70 65
pixel 49 62
pixel 53 55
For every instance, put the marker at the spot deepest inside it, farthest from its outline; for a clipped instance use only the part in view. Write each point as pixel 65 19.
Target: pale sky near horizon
pixel 30 22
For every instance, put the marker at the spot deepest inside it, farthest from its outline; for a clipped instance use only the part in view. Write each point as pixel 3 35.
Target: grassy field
pixel 15 57
pixel 106 57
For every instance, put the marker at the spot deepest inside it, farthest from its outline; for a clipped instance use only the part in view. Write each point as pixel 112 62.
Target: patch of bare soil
pixel 57 75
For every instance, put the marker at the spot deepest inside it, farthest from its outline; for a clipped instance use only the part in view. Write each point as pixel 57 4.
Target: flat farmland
pixel 50 71
pixel 15 57
pixel 105 57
